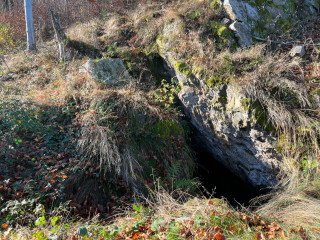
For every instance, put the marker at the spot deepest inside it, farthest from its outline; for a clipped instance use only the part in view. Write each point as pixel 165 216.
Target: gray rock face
pixel 229 129
pixel 242 33
pixel 108 71
pixel 252 17
pixel 230 134
pixel 227 126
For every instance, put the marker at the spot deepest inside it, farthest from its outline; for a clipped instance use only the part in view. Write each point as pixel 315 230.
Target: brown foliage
pixel 70 11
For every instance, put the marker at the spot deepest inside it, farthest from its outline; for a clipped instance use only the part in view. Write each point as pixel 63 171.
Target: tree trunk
pixel 60 35
pixel 29 26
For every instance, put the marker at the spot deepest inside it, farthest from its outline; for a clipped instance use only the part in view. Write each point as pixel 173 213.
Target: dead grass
pixel 294 208
pixel 284 96
pixel 168 218
pixel 85 32
pixel 113 147
pixel 271 80
pixel 111 30
pixel 45 81
pixel 278 86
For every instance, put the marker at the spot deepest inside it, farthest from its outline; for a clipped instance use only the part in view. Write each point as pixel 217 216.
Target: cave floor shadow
pixel 219 181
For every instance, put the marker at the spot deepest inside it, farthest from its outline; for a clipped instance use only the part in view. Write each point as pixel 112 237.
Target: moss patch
pixel 215 4
pixel 181 66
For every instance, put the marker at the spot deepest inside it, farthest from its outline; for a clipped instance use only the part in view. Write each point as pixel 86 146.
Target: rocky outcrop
pixel 242 33
pixel 260 18
pixel 230 133
pixel 108 71
pixel 227 125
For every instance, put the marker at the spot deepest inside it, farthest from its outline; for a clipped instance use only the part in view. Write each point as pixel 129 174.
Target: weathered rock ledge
pixel 228 126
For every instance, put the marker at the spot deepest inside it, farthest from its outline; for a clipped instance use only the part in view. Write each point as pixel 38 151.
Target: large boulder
pixel 108 71
pixel 260 18
pixel 226 124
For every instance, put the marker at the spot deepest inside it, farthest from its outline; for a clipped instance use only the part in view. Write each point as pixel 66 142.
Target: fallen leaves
pixel 4 226
pixel 185 232
pixel 316 230
pixel 259 236
pixel 219 236
pixel 303 234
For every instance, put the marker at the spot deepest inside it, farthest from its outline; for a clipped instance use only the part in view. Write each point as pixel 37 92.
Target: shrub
pixel 15 23
pixel 6 38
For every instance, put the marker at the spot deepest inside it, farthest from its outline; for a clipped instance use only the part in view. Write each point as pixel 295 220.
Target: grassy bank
pixel 77 156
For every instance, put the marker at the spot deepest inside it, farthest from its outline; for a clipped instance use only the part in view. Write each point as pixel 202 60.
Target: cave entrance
pixel 214 176
pixel 218 179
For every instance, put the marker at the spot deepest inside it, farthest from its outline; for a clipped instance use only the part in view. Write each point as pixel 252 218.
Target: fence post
pixel 60 35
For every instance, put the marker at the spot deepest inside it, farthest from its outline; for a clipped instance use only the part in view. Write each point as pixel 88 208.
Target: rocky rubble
pixel 259 18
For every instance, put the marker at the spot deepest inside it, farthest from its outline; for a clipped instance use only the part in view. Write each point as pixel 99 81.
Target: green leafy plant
pixel 40 221
pixel 308 165
pixel 166 94
pixel 21 212
pixel 112 49
pixel 82 231
pixel 138 209
pixel 39 235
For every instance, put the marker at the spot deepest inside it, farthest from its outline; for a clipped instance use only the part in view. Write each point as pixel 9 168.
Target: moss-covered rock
pixel 181 66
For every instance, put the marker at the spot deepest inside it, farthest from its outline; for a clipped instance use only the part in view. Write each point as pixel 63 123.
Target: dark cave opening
pixel 218 179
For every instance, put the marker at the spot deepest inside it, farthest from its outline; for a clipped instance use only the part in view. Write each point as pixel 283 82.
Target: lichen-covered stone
pixel 230 135
pixel 108 71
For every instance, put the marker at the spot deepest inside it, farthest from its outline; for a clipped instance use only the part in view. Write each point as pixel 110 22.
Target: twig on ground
pixel 4 60
pixel 285 43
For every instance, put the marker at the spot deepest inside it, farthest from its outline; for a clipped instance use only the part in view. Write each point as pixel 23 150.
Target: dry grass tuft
pixel 85 32
pixel 109 128
pixel 281 94
pixel 294 208
pixel 112 29
pixel 98 143
pixel 178 203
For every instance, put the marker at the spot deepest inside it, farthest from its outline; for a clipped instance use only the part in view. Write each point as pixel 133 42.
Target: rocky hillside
pixel 115 125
